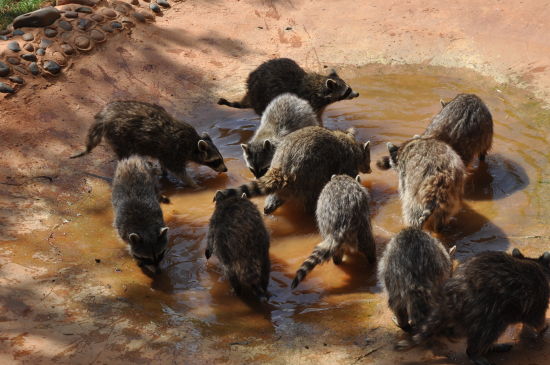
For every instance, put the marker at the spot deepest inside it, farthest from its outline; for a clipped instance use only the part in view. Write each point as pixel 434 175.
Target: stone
pixel 65 25
pixel 6 89
pixel 82 43
pixel 66 36
pixel 134 2
pixel 116 25
pixel 98 18
pixel 4 69
pixel 52 67
pixel 21 70
pixel 97 35
pixel 139 17
pixel 163 3
pixel 49 32
pixel 33 68
pixel 84 9
pixel 28 37
pixel 67 49
pixel 13 60
pixel 147 15
pixel 29 47
pixel 40 52
pixel 16 79
pixel 109 13
pixel 4 37
pixel 45 43
pixel 38 18
pixel 17 32
pixel 107 28
pixel 71 14
pixel 79 2
pixel 84 23
pixel 29 57
pixel 59 58
pixel 14 46
pixel 154 7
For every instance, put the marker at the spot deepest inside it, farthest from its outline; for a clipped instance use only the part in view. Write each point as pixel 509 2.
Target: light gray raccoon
pixel 138 217
pixel 285 114
pixel 466 124
pixel 303 163
pixel 412 269
pixel 431 181
pixel 283 75
pixel 486 294
pixel 133 127
pixel 343 218
pixel 238 237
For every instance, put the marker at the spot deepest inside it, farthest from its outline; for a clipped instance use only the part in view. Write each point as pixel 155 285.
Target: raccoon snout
pixel 221 168
pixel 353 94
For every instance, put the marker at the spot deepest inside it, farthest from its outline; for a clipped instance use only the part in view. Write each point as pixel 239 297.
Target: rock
pixel 28 37
pixel 66 36
pixel 14 46
pixel 139 17
pixel 45 43
pixel 107 28
pixel 84 23
pixel 4 69
pixel 71 14
pixel 52 67
pixel 134 2
pixel 82 43
pixel 163 3
pixel 98 18
pixel 6 89
pixel 38 18
pixel 79 2
pixel 147 15
pixel 154 7
pixel 147 1
pixel 4 37
pixel 84 9
pixel 16 79
pixel 33 68
pixel 50 32
pixel 59 58
pixel 97 35
pixel 21 70
pixel 40 52
pixel 65 25
pixel 116 25
pixel 109 13
pixel 13 60
pixel 17 32
pixel 67 49
pixel 29 57
pixel 29 47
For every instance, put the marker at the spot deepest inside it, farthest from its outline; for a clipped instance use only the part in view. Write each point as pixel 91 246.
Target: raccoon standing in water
pixel 133 127
pixel 486 294
pixel 413 269
pixel 283 75
pixel 238 237
pixel 466 124
pixel 138 217
pixel 285 114
pixel 344 223
pixel 303 163
pixel 431 181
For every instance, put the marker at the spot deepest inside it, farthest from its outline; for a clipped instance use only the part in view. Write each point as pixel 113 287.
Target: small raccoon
pixel 466 124
pixel 303 163
pixel 412 270
pixel 133 127
pixel 285 114
pixel 238 237
pixel 282 75
pixel 487 293
pixel 431 181
pixel 344 223
pixel 138 217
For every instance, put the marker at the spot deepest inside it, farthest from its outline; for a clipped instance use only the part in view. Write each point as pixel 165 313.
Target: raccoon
pixel 412 270
pixel 285 114
pixel 303 163
pixel 238 237
pixel 431 181
pixel 344 223
pixel 466 124
pixel 138 217
pixel 487 293
pixel 133 127
pixel 282 75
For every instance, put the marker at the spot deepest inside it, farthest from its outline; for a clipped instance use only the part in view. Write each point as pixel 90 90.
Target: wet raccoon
pixel 344 223
pixel 412 269
pixel 238 237
pixel 282 75
pixel 138 217
pixel 487 293
pixel 133 127
pixel 466 124
pixel 431 181
pixel 285 114
pixel 303 163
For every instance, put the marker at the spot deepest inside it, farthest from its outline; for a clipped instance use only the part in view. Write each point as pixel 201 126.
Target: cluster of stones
pixel 42 42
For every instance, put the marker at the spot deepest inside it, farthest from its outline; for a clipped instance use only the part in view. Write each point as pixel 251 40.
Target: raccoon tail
pixel 426 213
pixel 95 134
pixel 384 163
pixel 243 104
pixel 322 252
pixel 274 180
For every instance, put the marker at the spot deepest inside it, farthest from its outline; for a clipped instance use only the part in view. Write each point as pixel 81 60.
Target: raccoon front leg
pixel 338 256
pixel 272 202
pixel 366 245
pixel 480 341
pixel 181 174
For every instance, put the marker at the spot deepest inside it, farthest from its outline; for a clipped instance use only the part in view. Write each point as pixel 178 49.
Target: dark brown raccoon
pixel 283 75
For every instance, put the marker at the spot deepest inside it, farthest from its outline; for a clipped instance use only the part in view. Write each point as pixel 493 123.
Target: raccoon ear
pixel 333 73
pixel 163 232
pixel 267 145
pixel 366 146
pixel 416 136
pixel 358 179
pixel 330 84
pixel 452 251
pixel 517 253
pixel 219 196
pixel 134 238
pixel 207 253
pixel 391 147
pixel 546 258
pixel 244 146
pixel 202 145
pixel 351 131
pixel 206 137
pixel 244 196
pixel 443 103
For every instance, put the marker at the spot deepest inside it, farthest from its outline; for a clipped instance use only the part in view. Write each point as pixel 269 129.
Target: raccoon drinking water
pixel 238 237
pixel 413 269
pixel 283 75
pixel 344 223
pixel 285 114
pixel 138 217
pixel 487 293
pixel 466 124
pixel 133 127
pixel 431 181
pixel 303 163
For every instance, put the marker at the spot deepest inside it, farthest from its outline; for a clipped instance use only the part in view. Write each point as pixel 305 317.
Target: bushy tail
pixel 243 104
pixel 271 182
pixel 427 213
pixel 95 134
pixel 322 253
pixel 435 195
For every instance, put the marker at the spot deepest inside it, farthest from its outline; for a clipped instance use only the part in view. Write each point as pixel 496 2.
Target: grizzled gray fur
pixel 133 127
pixel 303 163
pixel 487 293
pixel 238 237
pixel 283 75
pixel 431 181
pixel 286 113
pixel 344 223
pixel 466 124
pixel 412 269
pixel 138 217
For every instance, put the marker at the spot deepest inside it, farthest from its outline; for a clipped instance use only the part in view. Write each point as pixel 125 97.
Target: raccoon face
pixel 209 154
pixel 393 149
pixel 336 89
pixel 364 167
pixel 148 248
pixel 258 157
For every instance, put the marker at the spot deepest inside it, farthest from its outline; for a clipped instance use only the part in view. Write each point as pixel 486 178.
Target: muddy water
pixel 334 306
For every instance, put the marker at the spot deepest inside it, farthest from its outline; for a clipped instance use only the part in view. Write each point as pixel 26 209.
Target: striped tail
pixel 271 182
pixel 243 104
pixel 95 134
pixel 427 213
pixel 322 253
